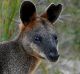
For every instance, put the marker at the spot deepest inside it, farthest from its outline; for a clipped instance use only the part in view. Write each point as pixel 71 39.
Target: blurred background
pixel 67 28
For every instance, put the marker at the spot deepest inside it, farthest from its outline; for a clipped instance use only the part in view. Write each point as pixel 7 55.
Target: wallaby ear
pixel 27 12
pixel 52 12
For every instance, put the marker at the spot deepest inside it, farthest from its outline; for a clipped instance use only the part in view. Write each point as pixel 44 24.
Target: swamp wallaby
pixel 36 40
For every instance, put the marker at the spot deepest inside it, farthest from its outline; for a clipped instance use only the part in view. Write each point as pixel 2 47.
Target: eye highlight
pixel 38 38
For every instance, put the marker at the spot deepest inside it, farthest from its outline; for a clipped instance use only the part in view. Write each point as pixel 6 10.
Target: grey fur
pixel 13 59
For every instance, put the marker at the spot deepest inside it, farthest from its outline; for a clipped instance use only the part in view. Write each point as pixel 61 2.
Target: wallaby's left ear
pixel 52 12
pixel 27 12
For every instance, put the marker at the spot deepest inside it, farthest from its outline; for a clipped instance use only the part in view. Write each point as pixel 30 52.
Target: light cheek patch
pixel 34 47
pixel 37 51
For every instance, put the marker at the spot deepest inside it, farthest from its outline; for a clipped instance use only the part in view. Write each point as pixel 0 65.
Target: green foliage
pixel 57 71
pixel 8 12
pixel 44 69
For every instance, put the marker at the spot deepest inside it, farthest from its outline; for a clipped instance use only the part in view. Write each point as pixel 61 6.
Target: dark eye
pixel 38 38
pixel 55 37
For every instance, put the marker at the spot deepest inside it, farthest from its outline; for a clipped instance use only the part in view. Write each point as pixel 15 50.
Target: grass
pixel 8 13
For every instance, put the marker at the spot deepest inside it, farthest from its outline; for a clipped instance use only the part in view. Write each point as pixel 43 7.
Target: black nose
pixel 53 57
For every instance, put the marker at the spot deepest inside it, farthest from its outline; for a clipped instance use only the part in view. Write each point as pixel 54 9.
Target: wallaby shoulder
pixel 7 47
pixel 14 60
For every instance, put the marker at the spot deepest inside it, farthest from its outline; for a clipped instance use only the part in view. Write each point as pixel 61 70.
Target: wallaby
pixel 36 40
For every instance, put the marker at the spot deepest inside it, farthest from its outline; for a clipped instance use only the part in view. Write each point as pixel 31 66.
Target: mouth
pixel 42 56
pixel 51 57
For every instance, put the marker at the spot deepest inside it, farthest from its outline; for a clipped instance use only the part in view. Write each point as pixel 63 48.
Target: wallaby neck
pixel 30 62
pixel 14 60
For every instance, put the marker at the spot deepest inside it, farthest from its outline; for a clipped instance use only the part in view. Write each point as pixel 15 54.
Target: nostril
pixel 53 56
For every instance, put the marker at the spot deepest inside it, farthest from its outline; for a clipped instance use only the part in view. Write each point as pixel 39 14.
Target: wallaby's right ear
pixel 27 12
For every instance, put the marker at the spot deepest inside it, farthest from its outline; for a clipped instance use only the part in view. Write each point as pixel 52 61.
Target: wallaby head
pixel 37 35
